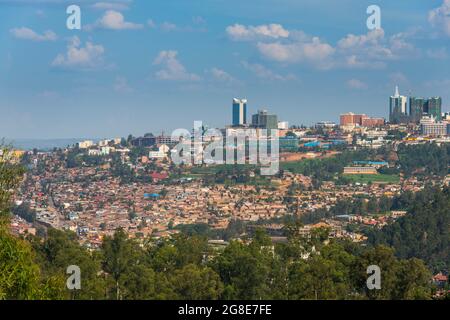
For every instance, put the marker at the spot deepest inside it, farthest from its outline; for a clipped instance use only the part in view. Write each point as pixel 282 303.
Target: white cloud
pixel 367 47
pixel 198 20
pixel 28 34
pixel 352 41
pixel 121 85
pixel 356 84
pixel 168 26
pixel 240 32
pixel 90 56
pixel 440 17
pixel 221 75
pixel 264 73
pixel 398 78
pixel 314 51
pixel 439 53
pixel 276 43
pixel 369 51
pixel 172 68
pixel 107 5
pixel 372 50
pixel 151 23
pixel 360 62
pixel 114 20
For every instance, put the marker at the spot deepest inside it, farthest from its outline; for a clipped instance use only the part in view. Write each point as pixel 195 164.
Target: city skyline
pixel 135 68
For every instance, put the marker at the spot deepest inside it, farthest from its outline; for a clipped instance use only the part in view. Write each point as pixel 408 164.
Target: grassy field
pixel 295 166
pixel 379 178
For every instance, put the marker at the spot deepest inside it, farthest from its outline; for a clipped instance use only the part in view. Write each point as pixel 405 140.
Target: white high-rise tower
pixel 397 107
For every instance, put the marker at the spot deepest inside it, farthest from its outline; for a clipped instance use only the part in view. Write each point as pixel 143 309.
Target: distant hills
pixel 44 144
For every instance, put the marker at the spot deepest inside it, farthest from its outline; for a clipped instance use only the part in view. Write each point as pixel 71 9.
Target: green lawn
pixel 380 178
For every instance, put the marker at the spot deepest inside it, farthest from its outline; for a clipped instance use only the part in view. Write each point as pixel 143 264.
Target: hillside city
pixel 348 178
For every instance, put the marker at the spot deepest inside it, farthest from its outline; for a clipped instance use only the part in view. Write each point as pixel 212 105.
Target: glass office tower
pixel 397 108
pixel 416 109
pixel 434 107
pixel 239 112
pixel 263 120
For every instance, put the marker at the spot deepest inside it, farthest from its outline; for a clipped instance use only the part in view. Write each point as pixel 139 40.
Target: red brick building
pixel 362 120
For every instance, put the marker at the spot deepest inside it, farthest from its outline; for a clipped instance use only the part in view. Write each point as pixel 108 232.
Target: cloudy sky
pixel 141 66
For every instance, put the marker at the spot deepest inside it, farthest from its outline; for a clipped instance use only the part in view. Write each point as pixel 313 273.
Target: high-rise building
pixel 397 108
pixel 434 107
pixel 416 108
pixel 239 112
pixel 263 120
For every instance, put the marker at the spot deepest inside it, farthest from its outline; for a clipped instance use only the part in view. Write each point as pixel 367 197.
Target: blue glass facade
pixel 239 113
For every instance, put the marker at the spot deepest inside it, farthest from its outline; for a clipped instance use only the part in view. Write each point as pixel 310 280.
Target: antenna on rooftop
pixel 396 94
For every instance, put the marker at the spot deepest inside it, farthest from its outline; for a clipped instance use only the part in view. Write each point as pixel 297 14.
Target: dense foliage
pixel 424 232
pixel 424 159
pixel 188 268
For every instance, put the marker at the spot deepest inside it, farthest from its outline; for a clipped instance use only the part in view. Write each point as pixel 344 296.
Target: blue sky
pixel 142 66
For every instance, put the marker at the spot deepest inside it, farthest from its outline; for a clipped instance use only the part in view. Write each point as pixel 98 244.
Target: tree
pixel 139 283
pixel 400 279
pixel 193 282
pixel 119 255
pixel 19 274
pixel 10 176
pixel 178 252
pixel 244 271
pixel 59 250
pixel 423 232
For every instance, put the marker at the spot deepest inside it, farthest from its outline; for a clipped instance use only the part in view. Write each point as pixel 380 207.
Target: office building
pixel 167 140
pixel 264 120
pixel 352 119
pixel 397 108
pixel 239 112
pixel 430 127
pixel 416 109
pixel 434 107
